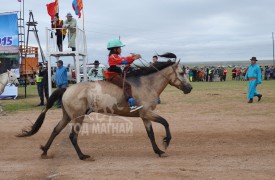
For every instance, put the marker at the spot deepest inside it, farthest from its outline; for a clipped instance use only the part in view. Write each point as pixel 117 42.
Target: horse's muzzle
pixel 187 89
pixel 16 83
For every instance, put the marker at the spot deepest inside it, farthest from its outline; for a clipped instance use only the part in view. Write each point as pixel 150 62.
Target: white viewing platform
pixel 80 54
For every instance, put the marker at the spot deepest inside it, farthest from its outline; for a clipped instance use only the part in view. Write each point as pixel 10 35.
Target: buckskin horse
pixel 81 99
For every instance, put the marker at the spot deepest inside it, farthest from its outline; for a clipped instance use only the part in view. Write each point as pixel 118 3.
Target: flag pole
pixel 83 16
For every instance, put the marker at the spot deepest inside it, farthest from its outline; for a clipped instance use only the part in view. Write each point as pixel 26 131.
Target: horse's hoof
pixel 160 153
pixel 164 155
pixel 90 159
pixel 87 158
pixel 166 142
pixel 44 156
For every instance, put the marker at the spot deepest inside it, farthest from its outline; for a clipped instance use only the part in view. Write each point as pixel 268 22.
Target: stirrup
pixel 135 108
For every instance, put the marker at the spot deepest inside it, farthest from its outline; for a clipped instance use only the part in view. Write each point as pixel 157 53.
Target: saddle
pixel 108 74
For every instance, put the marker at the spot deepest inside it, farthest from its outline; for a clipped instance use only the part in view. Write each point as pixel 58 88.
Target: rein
pixel 174 71
pixel 177 78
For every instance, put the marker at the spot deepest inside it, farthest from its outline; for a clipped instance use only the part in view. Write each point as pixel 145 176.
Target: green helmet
pixel 114 43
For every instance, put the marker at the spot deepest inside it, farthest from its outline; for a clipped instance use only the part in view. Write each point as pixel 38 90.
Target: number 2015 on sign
pixel 6 41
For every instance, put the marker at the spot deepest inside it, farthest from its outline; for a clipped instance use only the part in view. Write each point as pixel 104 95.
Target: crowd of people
pixel 211 73
pixel 206 74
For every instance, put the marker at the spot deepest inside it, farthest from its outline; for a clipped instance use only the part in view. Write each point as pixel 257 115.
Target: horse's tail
pixel 56 95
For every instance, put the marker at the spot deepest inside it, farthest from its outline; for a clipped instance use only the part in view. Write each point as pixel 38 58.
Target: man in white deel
pixel 70 24
pixel 95 74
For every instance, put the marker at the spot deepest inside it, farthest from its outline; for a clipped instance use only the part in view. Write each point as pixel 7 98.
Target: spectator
pixel 220 70
pixel 61 78
pixel 155 59
pixel 242 75
pixel 254 76
pixel 45 80
pixel 210 74
pixel 95 74
pixel 70 24
pixel 60 33
pixel 201 74
pixel 224 74
pixel 234 71
pixel 191 73
pixel 267 73
pixel 238 74
pixel 187 72
pixel 40 84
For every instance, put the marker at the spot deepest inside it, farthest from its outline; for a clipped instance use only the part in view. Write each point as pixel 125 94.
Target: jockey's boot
pixel 133 107
pixel 250 100
pixel 259 97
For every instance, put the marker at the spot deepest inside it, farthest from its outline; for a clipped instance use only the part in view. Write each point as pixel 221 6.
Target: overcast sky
pixel 195 30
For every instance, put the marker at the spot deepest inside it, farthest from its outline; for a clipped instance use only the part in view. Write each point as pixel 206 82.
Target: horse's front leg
pixel 163 121
pixel 150 132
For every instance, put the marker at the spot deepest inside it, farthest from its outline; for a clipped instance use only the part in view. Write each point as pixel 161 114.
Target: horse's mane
pixel 154 67
pixel 3 74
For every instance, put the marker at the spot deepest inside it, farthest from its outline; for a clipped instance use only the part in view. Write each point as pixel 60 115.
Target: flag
pixel 77 6
pixel 52 8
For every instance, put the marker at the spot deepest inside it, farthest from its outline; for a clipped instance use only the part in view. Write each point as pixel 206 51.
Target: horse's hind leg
pixel 150 132
pixel 58 128
pixel 74 136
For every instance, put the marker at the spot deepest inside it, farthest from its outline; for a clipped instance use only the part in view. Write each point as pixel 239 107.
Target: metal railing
pixel 80 41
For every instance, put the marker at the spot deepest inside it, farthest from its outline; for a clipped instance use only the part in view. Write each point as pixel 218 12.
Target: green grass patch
pixel 228 92
pixel 22 103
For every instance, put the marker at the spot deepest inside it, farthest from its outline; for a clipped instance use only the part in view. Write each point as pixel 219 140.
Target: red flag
pixel 77 6
pixel 52 8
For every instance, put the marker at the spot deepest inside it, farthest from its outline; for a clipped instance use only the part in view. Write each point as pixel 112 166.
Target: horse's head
pixel 12 78
pixel 178 79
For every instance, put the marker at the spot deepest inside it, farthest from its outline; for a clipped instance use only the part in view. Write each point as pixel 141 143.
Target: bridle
pixel 174 71
pixel 177 78
pixel 9 80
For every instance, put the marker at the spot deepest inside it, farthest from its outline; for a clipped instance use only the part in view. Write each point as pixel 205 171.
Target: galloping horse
pixel 5 78
pixel 80 99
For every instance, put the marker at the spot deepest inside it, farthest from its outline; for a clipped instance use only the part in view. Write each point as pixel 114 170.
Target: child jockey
pixel 114 46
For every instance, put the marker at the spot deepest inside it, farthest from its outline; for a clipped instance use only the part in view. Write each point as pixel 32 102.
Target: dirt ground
pixel 212 138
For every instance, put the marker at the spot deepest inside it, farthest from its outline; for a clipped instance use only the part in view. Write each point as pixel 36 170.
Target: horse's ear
pixel 8 70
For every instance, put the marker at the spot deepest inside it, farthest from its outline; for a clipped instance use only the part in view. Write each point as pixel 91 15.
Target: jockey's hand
pixel 137 56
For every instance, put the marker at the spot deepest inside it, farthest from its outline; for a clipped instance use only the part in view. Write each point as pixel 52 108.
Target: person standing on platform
pixel 70 24
pixel 60 33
